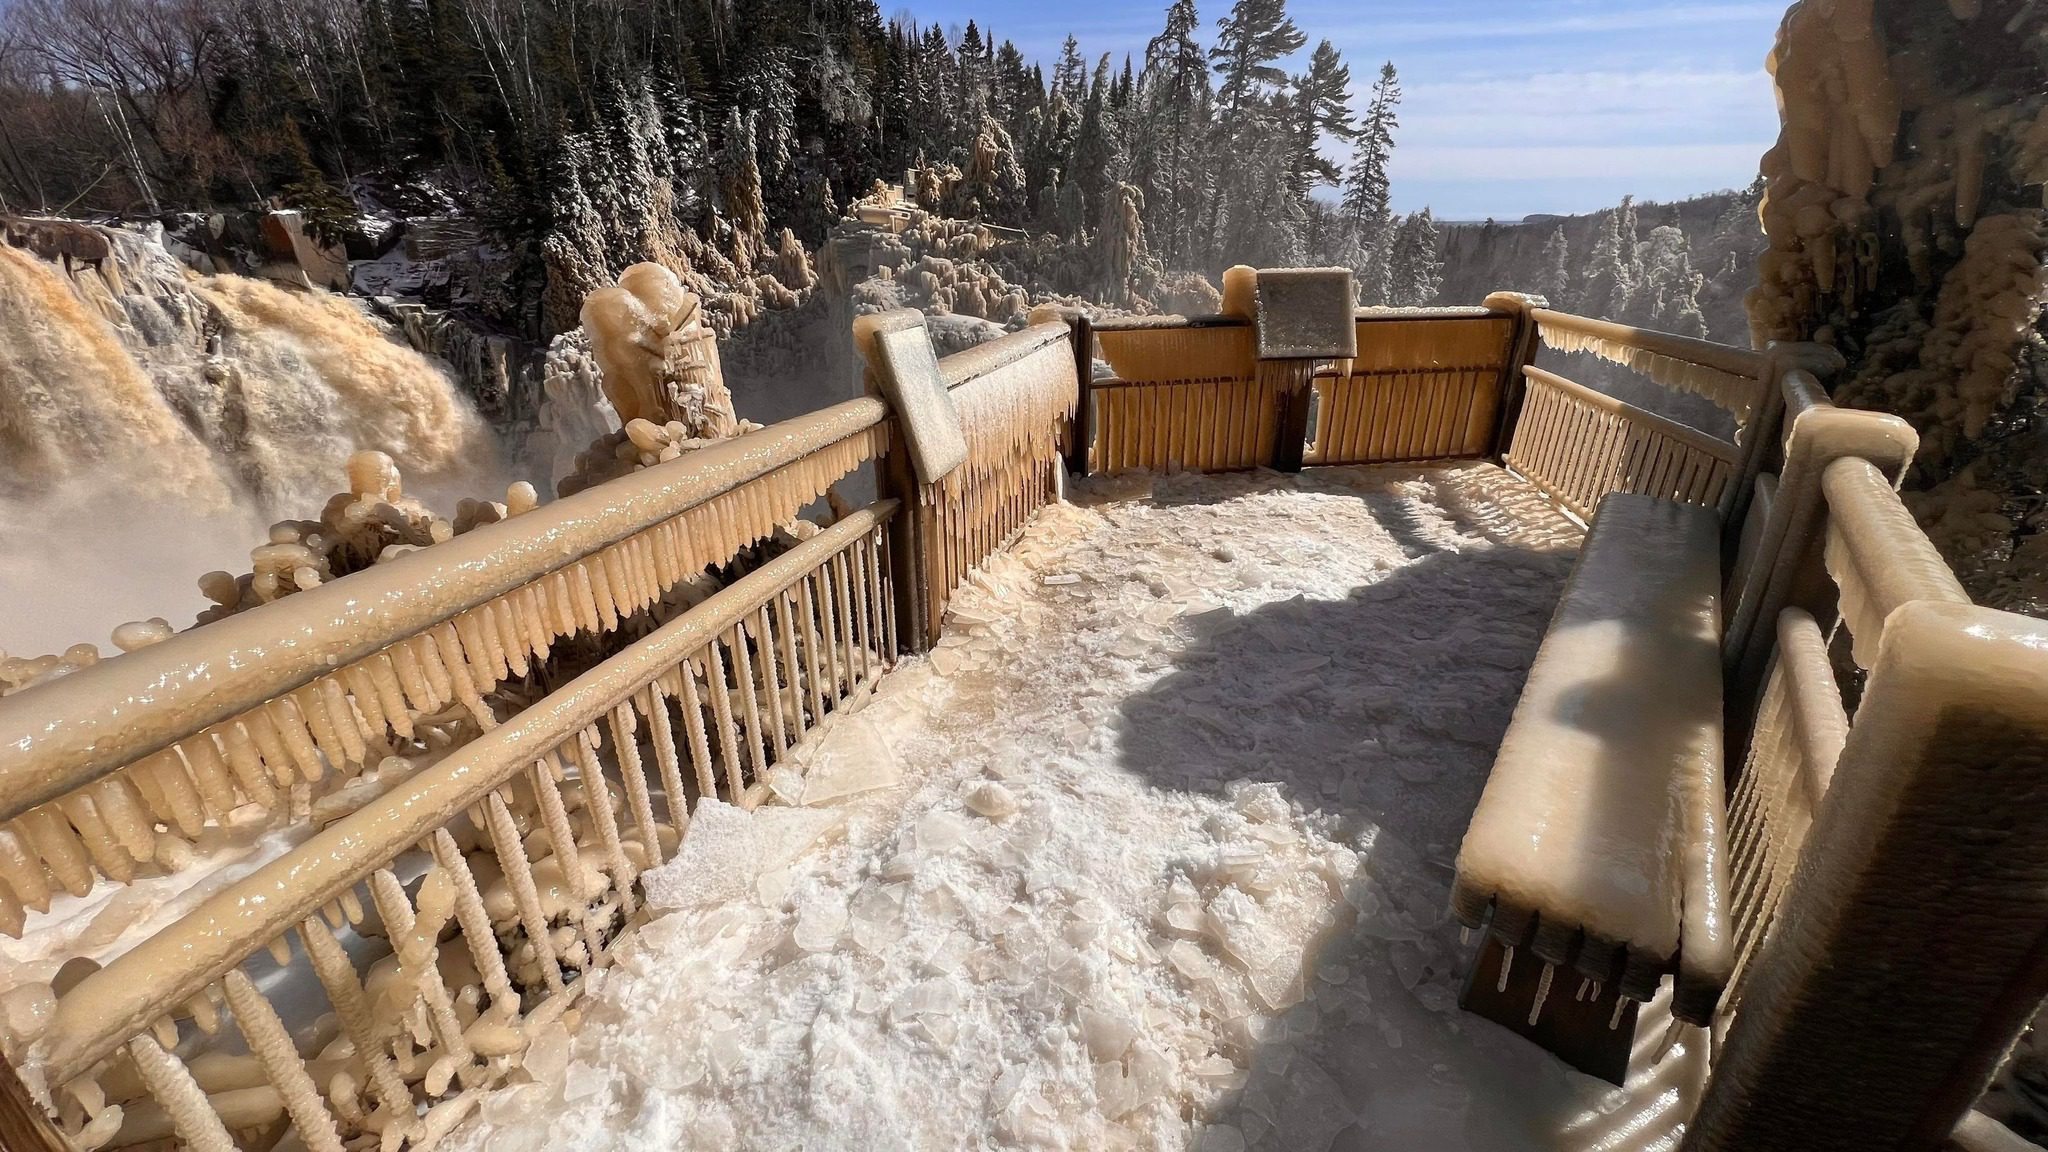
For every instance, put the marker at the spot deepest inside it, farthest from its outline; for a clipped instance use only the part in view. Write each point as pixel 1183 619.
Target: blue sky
pixel 1510 106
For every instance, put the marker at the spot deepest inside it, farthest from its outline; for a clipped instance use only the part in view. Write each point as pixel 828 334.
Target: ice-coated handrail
pixel 1726 357
pixel 174 965
pixel 63 735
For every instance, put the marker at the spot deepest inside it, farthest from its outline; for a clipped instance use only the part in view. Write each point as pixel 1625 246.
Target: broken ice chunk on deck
pixel 725 847
pixel 854 757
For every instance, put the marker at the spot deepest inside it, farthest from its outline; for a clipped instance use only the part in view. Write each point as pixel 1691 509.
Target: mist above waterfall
pixel 153 422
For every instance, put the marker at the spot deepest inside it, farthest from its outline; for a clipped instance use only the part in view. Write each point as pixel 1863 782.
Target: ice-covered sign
pixel 906 369
pixel 1306 314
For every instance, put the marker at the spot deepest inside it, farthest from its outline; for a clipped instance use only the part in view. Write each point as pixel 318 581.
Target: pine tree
pixel 1096 164
pixel 1612 273
pixel 1070 75
pixel 1176 94
pixel 1368 190
pixel 1416 270
pixel 1252 217
pixel 1556 285
pixel 1249 41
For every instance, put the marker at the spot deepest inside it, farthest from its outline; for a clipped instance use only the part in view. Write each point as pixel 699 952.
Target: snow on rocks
pixel 1153 868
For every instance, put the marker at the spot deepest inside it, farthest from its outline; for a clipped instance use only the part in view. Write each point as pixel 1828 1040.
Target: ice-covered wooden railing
pixel 1425 385
pixel 1889 854
pixel 522 848
pixel 1204 394
pixel 1011 400
pixel 1577 443
pixel 100 768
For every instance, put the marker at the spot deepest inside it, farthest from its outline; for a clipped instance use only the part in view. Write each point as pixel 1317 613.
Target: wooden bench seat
pixel 1598 844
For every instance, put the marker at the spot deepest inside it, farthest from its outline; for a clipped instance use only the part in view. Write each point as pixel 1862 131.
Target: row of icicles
pixel 374 521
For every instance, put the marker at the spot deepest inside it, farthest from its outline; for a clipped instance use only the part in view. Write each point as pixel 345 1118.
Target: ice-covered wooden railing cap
pixel 1733 378
pixel 1597 845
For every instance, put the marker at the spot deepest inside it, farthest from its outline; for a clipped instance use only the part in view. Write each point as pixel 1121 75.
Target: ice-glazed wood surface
pixel 1598 842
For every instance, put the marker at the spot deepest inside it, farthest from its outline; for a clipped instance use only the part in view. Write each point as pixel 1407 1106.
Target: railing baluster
pixel 662 735
pixel 519 873
pixel 273 1049
pixel 198 1126
pixel 633 773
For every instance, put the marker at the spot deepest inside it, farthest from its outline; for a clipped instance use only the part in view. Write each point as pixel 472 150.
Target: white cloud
pixel 1707 165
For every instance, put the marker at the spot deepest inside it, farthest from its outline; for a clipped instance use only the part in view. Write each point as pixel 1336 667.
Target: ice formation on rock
pixel 1906 229
pixel 659 368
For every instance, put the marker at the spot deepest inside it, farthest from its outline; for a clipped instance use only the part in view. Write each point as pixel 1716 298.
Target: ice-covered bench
pixel 1598 843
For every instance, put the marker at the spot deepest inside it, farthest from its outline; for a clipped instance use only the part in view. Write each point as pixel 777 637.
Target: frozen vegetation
pixel 1152 851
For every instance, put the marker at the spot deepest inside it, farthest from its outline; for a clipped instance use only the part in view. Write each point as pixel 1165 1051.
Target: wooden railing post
pixel 1302 316
pixel 1294 384
pixel 1522 348
pixel 1081 430
pixel 24 1126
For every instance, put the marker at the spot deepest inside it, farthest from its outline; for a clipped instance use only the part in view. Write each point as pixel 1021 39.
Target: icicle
pixel 313 712
pixel 634 774
pixel 165 1030
pixel 1542 992
pixel 519 873
pixel 203 1013
pixel 418 960
pixel 341 716
pixel 512 636
pixel 192 1117
pixel 269 745
pixel 1614 1021
pixel 203 763
pixel 409 670
pixel 590 575
pixel 106 853
pixel 351 906
pixel 53 842
pixel 368 699
pixel 1585 982
pixel 585 599
pixel 247 764
pixel 555 818
pixel 597 797
pixel 466 689
pixel 1507 961
pixel 530 609
pixel 167 772
pixel 280 952
pixel 291 728
pixel 439 677
pixel 12 918
pixel 618 571
pixel 272 1047
pixel 476 656
pixel 21 870
pixel 662 736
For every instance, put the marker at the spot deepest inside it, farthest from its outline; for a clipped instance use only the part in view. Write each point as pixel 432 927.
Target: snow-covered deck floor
pixel 1153 851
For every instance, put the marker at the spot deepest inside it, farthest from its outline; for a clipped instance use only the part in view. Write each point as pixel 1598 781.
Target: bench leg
pixel 1573 1030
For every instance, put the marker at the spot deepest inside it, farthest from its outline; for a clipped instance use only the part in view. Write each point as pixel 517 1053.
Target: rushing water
pixel 154 421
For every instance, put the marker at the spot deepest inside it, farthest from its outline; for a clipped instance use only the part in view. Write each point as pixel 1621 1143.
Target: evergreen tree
pixel 1176 96
pixel 1366 207
pixel 1417 270
pixel 1556 285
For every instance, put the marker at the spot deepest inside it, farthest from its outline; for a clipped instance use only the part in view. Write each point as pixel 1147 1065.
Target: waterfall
pixel 153 421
